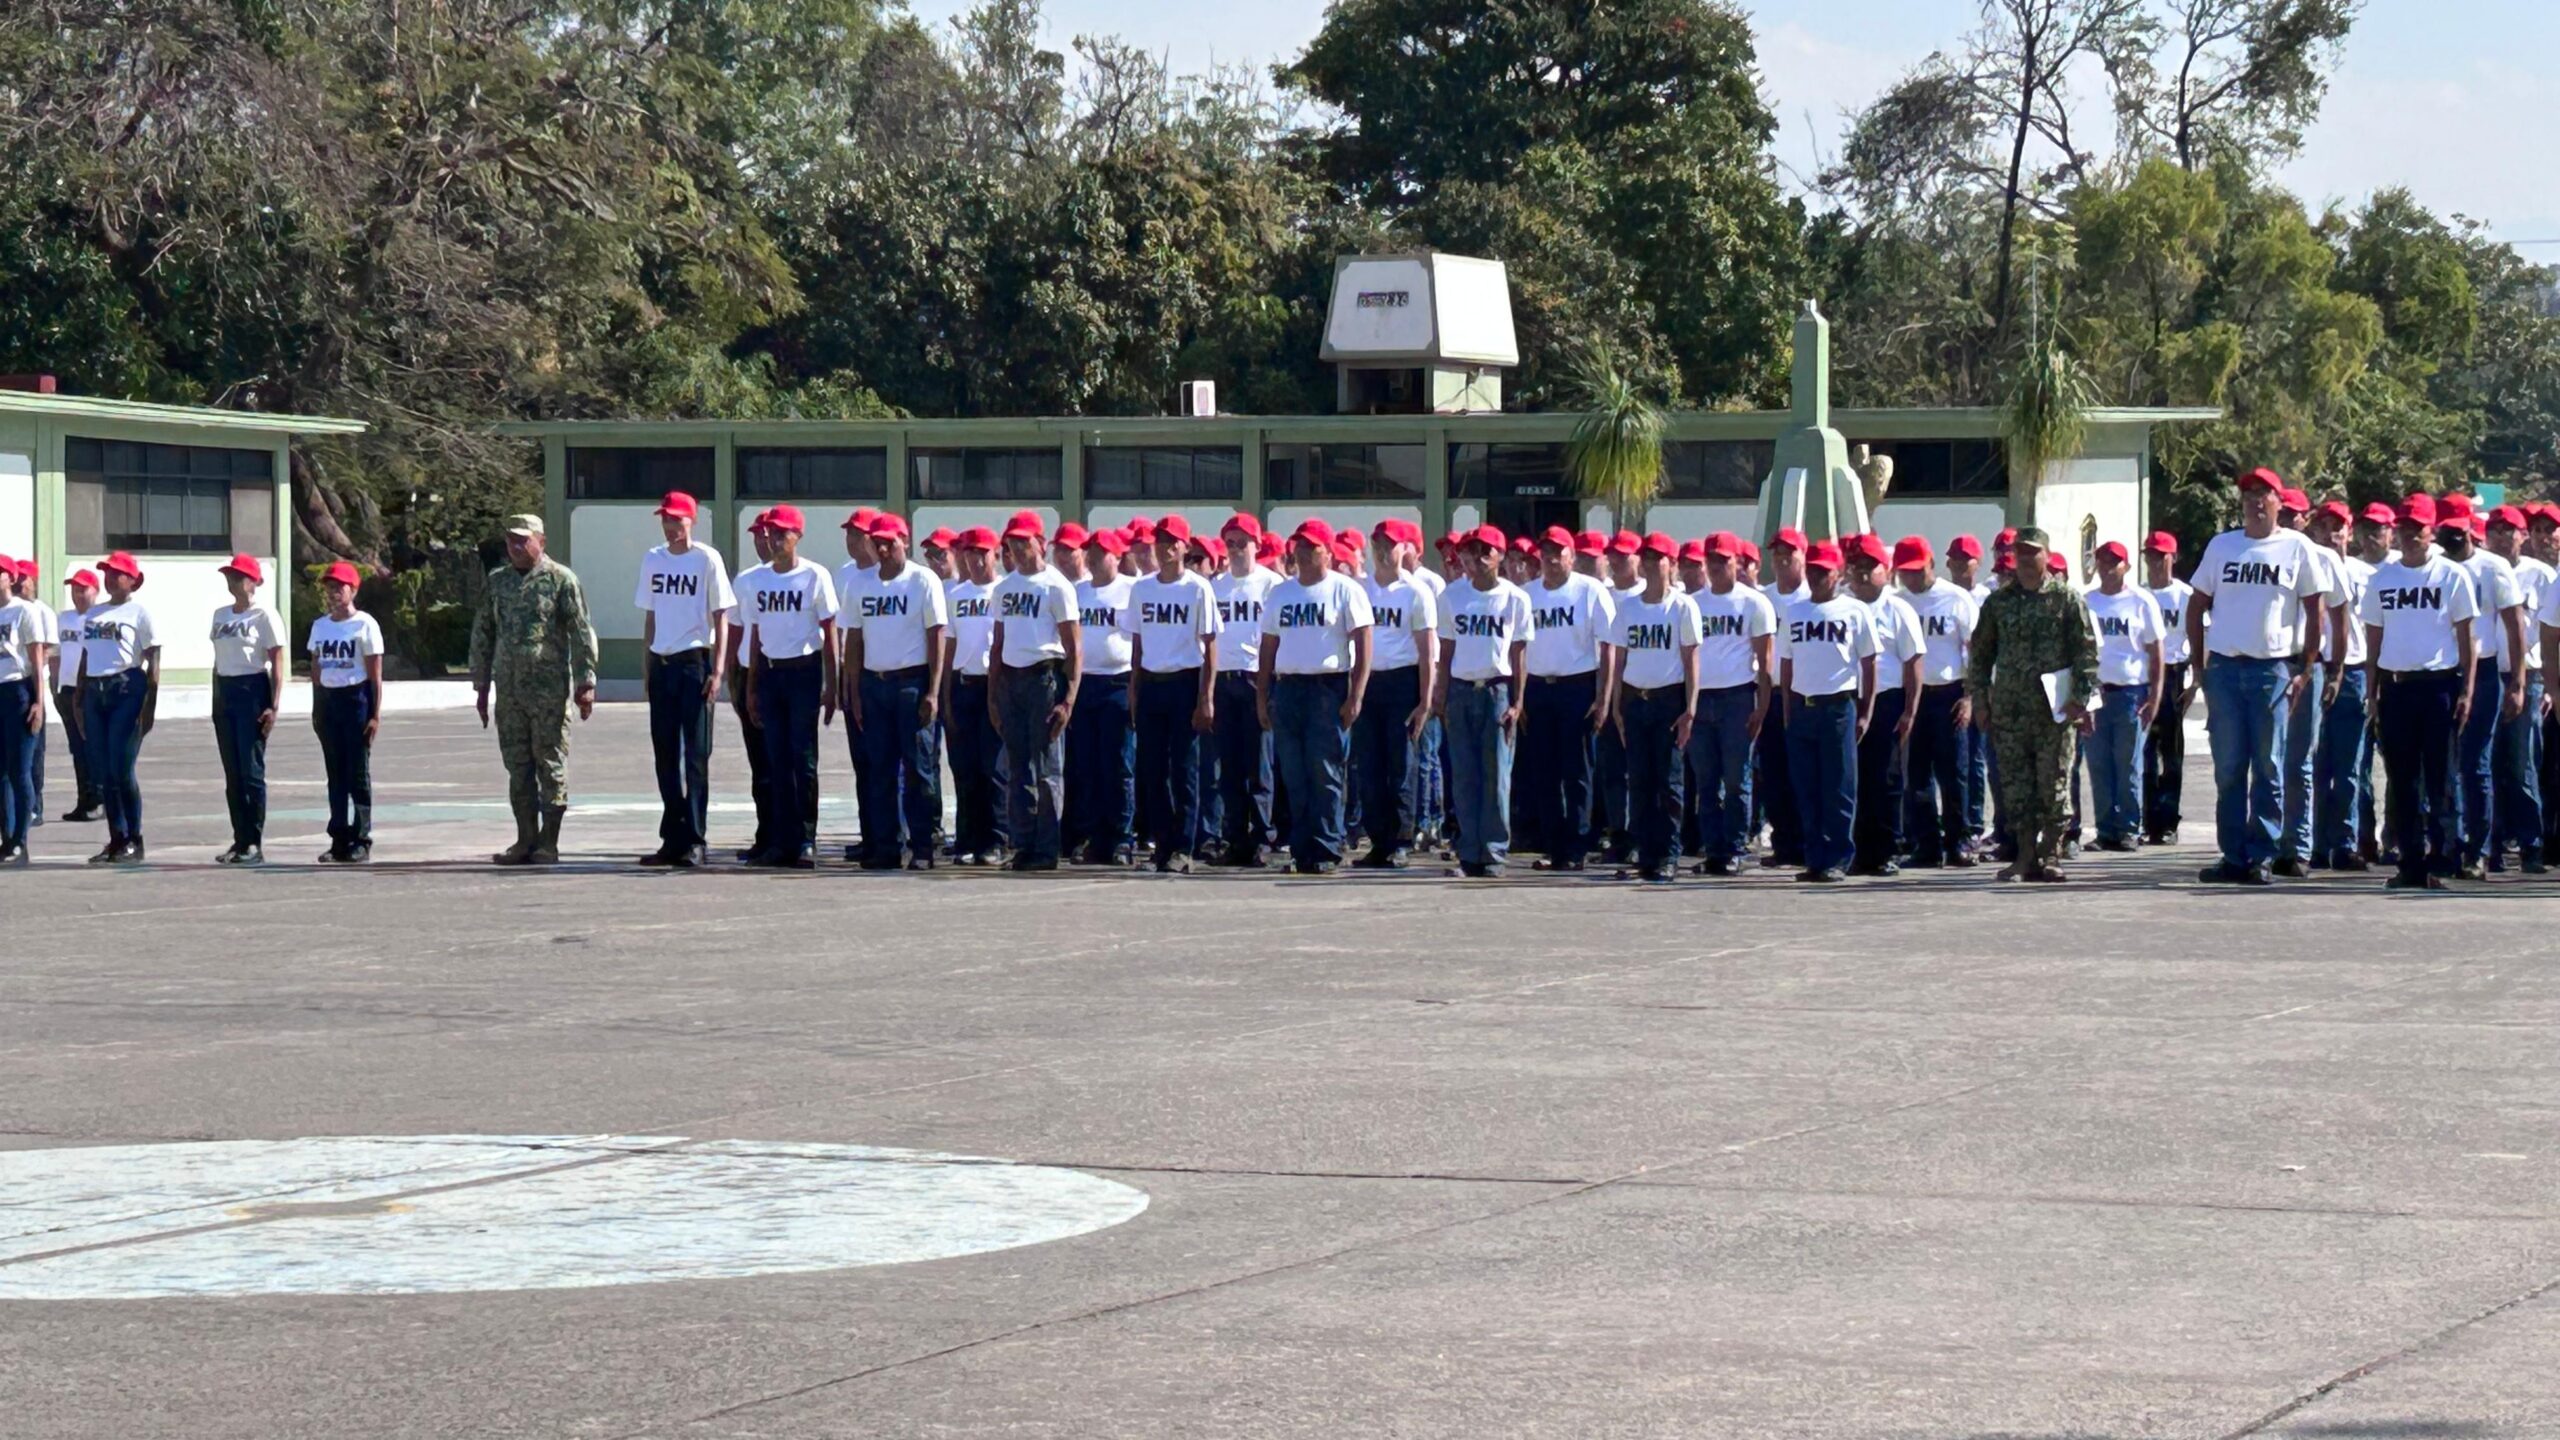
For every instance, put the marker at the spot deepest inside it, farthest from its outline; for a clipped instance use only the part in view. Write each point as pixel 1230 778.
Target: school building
pixel 184 488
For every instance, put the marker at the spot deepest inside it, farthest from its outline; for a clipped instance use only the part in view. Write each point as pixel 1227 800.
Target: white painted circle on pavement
pixel 437 1214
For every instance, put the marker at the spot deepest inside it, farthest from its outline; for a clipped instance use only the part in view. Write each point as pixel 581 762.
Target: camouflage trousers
pixel 2033 752
pixel 533 741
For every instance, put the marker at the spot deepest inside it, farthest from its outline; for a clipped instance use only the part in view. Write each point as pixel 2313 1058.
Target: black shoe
pixel 2406 881
pixel 358 854
pixel 2292 868
pixel 660 858
pixel 1772 862
pixel 85 815
pixel 230 856
pixel 1320 867
pixel 693 859
pixel 2045 875
pixel 1553 865
pixel 2119 845
pixel 14 857
pixel 853 854
pixel 1962 860
pixel 1827 875
pixel 1724 867
pixel 920 862
pixel 1808 876
pixel 1654 875
pixel 331 856
pixel 2470 870
pixel 805 859
pixel 2256 875
pixel 1023 866
pixel 110 855
pixel 2531 863
pixel 1882 870
pixel 2222 873
pixel 132 852
pixel 2349 862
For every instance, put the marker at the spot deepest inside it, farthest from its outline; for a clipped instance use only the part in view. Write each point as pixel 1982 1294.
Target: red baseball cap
pixel 2418 509
pixel 341 573
pixel 2005 538
pixel 246 565
pixel 1025 525
pixel 2338 512
pixel 885 526
pixel 763 521
pixel 1624 543
pixel 2114 550
pixel 2160 542
pixel 1693 551
pixel 1174 527
pixel 1071 535
pixel 1823 556
pixel 2479 527
pixel 82 577
pixel 2378 513
pixel 861 519
pixel 1525 546
pixel 1869 548
pixel 122 563
pixel 1911 552
pixel 1450 542
pixel 1109 542
pixel 1139 531
pixel 1313 531
pixel 943 538
pixel 1213 547
pixel 976 537
pixel 1589 542
pixel 787 517
pixel 1658 543
pixel 1559 537
pixel 2262 478
pixel 2451 506
pixel 2507 515
pixel 2541 512
pixel 1251 527
pixel 679 504
pixel 1790 537
pixel 2294 500
pixel 1750 549
pixel 1267 548
pixel 1724 543
pixel 1484 535
pixel 28 570
pixel 1346 550
pixel 1968 546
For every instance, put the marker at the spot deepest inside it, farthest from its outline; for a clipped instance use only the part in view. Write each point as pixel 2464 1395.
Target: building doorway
pixel 1516 515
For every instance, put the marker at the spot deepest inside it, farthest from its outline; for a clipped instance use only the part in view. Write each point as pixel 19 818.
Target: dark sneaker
pixel 660 858
pixel 2292 868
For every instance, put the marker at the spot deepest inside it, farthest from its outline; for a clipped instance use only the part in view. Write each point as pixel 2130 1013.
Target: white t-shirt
pixel 2257 588
pixel 1399 613
pixel 1826 641
pixel 1031 608
pixel 1947 614
pixel 2358 575
pixel 1898 639
pixel 2533 581
pixel 2493 585
pixel 114 638
pixel 2547 614
pixel 1570 624
pixel 20 627
pixel 66 645
pixel 1653 637
pixel 683 592
pixel 339 647
pixel 1313 624
pixel 1431 581
pixel 1482 626
pixel 1099 607
pixel 1169 619
pixel 787 607
pixel 1240 617
pixel 850 577
pixel 242 638
pixel 893 616
pixel 973 626
pixel 2417 607
pixel 1729 625
pixel 2129 622
pixel 2172 600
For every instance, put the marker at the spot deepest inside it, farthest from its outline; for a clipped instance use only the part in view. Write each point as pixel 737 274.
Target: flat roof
pixel 95 408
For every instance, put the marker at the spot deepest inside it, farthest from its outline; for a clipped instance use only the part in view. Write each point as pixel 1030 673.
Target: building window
pixel 1943 467
pixel 1163 472
pixel 638 474
pixel 1508 472
pixel 1343 472
pixel 986 474
pixel 1716 469
pixel 160 497
pixel 813 474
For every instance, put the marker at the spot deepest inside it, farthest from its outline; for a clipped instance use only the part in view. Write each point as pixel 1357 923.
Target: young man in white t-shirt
pixel 2343 749
pixel 894 626
pixel 1934 760
pixel 1313 681
pixel 2517 752
pixel 1877 834
pixel 345 645
pixel 1776 786
pixel 1243 742
pixel 2132 636
pixel 1171 619
pixel 1037 659
pixel 2496 691
pixel 1737 672
pixel 2304 724
pixel 119 691
pixel 1655 631
pixel 248 693
pixel 790 609
pixel 24 640
pixel 1568 702
pixel 1102 751
pixel 1964 569
pixel 2267 593
pixel 1404 657
pixel 2419 615
pixel 1486 623
pixel 684 599
pixel 1827 649
pixel 977 833
pixel 2164 747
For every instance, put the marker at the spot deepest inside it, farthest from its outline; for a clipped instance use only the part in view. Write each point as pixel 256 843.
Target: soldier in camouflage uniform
pixel 2028 630
pixel 531 637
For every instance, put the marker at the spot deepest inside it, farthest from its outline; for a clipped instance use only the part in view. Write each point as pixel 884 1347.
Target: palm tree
pixel 1615 455
pixel 2045 416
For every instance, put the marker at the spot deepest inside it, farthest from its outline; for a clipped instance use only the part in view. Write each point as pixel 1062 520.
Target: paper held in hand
pixel 2057 693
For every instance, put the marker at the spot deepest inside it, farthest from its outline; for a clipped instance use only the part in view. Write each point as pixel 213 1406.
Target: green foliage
pixel 1615 453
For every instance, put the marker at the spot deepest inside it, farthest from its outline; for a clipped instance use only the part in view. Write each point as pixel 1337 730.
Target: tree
pixel 2229 78
pixel 1615 453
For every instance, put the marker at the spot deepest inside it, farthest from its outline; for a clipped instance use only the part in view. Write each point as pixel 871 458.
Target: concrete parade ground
pixel 438 1149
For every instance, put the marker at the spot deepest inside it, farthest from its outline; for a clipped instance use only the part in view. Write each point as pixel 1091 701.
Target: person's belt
pixel 690 652
pixel 1535 679
pixel 1957 684
pixel 2124 684
pixel 1707 690
pixel 1336 676
pixel 1490 682
pixel 1836 697
pixel 1649 691
pixel 1038 667
pixel 903 672
pixel 1188 675
pixel 796 662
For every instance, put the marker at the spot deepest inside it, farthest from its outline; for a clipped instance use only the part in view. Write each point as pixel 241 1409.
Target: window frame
pixel 634 480
pixel 874 488
pixel 921 492
pixel 1327 485
pixel 134 478
pixel 1148 490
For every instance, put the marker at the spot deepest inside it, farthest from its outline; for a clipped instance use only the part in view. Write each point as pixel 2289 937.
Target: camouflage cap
pixel 2032 535
pixel 524 524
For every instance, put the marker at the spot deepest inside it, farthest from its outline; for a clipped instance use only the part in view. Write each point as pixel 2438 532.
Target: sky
pixel 2436 95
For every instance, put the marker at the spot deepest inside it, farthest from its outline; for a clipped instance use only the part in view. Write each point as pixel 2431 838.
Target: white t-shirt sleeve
pixel 1356 611
pixel 2152 627
pixel 2462 602
pixel 1865 642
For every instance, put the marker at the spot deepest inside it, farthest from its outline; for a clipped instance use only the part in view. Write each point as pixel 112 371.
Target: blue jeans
pixel 1479 771
pixel 1430 781
pixel 2244 718
pixel 1209 818
pixel 973 767
pixel 1244 769
pixel 1313 749
pixel 1555 743
pixel 2301 743
pixel 1102 761
pixel 111 716
pixel 1720 769
pixel 339 717
pixel 1034 765
pixel 1976 748
pixel 680 746
pixel 1169 761
pixel 788 695
pixel 2519 774
pixel 1610 825
pixel 1384 747
pixel 17 761
pixel 901 798
pixel 2474 767
pixel 2341 774
pixel 238 701
pixel 2115 762
pixel 1822 758
pixel 1657 794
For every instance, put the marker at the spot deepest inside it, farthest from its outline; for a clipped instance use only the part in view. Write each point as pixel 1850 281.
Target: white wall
pixel 606 545
pixel 182 592
pixel 1691 521
pixel 2108 490
pixel 17 505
